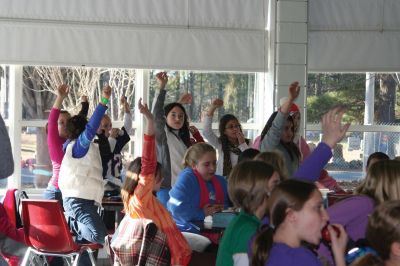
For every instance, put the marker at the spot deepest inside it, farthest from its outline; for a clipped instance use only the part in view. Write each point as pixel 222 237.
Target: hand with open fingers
pixel 339 243
pixel 107 92
pixel 294 91
pixel 162 78
pixel 62 91
pixel 122 100
pixel 217 103
pixel 185 98
pixel 144 109
pixel 84 99
pixel 333 130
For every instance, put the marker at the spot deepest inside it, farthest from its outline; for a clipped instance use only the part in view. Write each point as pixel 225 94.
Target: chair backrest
pixel 10 206
pixel 45 226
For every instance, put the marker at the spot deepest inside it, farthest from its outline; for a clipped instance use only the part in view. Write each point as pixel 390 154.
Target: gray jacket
pixel 271 142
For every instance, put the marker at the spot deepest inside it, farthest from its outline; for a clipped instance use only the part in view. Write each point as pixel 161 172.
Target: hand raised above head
pixel 62 90
pixel 107 91
pixel 217 103
pixel 333 130
pixel 294 91
pixel 162 78
pixel 144 109
pixel 84 99
pixel 185 98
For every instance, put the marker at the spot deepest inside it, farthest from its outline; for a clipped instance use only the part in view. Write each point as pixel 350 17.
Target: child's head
pixel 295 207
pixel 62 123
pixel 276 160
pixel 250 183
pixel 132 179
pixel 202 158
pixel 75 126
pixel 375 157
pixel 299 205
pixel 248 155
pixel 383 230
pixel 382 182
pixel 176 115
pixel 105 126
pixel 229 127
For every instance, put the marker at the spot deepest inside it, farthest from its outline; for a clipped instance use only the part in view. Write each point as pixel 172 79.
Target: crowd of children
pixel 181 179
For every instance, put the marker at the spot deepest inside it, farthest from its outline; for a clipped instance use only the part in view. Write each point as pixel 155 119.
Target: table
pixel 115 205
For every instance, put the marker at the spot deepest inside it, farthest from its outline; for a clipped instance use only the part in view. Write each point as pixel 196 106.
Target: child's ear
pixel 291 215
pixel 395 249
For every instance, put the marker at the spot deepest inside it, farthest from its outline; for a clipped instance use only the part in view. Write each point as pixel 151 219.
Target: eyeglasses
pixel 233 127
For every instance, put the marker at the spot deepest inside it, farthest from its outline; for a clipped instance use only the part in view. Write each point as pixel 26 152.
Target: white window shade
pixel 354 36
pixel 225 35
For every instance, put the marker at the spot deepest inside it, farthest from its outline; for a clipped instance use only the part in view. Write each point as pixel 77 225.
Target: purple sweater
pixel 353 214
pixel 283 255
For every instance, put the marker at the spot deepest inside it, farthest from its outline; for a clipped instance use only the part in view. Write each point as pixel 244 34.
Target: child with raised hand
pixel 56 136
pixel 81 182
pixel 297 216
pixel 278 133
pixel 142 179
pixel 111 142
pixel 231 141
pixel 250 183
pixel 172 137
pixel 198 191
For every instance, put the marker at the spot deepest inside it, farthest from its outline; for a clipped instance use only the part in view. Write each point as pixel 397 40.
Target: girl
pixel 381 184
pixel 230 143
pixel 198 192
pixel 172 137
pixel 250 183
pixel 142 179
pixel 278 133
pixel 56 136
pixel 81 182
pixel 297 216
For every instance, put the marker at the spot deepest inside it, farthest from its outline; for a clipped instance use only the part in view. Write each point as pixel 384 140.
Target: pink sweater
pixel 55 143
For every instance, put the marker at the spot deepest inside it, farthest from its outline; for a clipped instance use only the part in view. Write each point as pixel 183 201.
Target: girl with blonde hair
pixel 381 184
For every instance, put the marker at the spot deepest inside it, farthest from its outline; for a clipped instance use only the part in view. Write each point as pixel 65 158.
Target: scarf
pixel 204 193
pixel 227 148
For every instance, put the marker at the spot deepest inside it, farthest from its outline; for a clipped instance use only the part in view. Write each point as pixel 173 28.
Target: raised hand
pixel 185 98
pixel 294 91
pixel 107 92
pixel 162 78
pixel 193 129
pixel 217 103
pixel 62 91
pixel 114 132
pixel 332 128
pixel 144 110
pixel 84 99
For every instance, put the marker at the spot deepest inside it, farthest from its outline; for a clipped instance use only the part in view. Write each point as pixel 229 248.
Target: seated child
pixel 143 178
pixel 198 192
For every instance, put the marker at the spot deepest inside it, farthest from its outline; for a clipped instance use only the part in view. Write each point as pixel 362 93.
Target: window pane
pixel 326 90
pixel 237 91
pixel 36 169
pixel 4 92
pixel 40 84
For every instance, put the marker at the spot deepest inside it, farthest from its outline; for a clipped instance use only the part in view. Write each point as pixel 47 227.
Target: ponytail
pixel 261 246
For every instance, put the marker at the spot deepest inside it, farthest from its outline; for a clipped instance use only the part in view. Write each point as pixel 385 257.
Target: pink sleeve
pixel 54 140
pixel 304 148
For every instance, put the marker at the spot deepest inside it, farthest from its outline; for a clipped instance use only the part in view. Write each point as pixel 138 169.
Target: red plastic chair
pixel 10 205
pixel 47 232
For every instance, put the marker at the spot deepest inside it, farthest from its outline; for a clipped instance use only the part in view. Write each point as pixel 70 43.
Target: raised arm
pixel 333 131
pixel 149 157
pixel 6 157
pixel 54 140
pixel 158 109
pixel 272 138
pixel 207 127
pixel 82 144
pixel 127 114
pixel 84 106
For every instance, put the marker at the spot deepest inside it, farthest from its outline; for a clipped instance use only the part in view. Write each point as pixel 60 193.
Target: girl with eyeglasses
pixel 231 141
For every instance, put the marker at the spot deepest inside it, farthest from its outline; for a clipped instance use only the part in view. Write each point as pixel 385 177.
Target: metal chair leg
pixel 26 257
pixel 90 252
